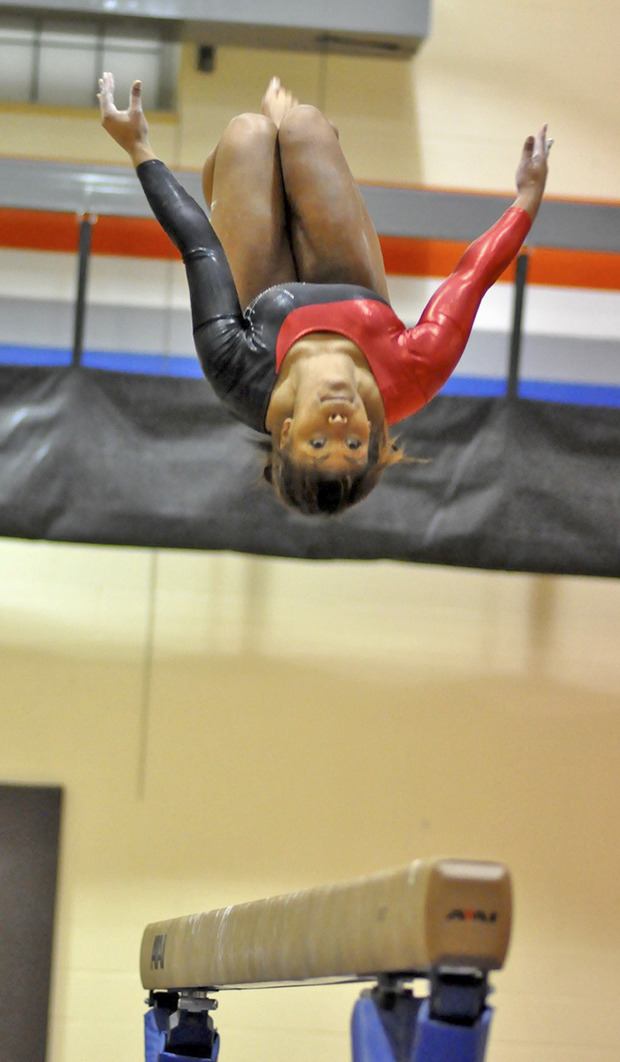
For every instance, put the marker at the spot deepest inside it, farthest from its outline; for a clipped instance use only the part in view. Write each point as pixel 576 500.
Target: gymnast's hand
pixel 531 173
pixel 129 128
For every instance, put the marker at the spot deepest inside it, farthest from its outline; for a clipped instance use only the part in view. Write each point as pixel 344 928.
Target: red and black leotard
pixel 242 352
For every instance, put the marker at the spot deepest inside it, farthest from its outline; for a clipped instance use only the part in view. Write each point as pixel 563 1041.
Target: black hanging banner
pixel 105 457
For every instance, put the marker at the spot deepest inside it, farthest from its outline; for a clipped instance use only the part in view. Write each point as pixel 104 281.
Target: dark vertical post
pixel 30 822
pixel 86 224
pixel 515 339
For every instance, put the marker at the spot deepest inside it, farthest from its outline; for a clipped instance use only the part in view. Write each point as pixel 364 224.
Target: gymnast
pixel 318 360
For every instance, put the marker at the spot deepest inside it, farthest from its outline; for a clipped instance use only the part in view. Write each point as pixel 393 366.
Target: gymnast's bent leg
pixel 332 235
pixel 242 183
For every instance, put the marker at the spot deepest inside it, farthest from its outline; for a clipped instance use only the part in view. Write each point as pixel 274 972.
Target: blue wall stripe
pixel 573 393
pixel 581 394
pixel 13 355
pixel 479 386
pixel 151 364
pixel 586 394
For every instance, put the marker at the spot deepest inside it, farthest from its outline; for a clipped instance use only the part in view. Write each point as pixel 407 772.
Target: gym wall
pixel 226 727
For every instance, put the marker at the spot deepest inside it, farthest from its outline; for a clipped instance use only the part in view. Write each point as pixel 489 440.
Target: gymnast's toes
pixel 277 101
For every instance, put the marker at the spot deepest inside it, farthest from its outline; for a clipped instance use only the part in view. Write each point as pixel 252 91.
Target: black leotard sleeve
pixel 241 378
pixel 212 288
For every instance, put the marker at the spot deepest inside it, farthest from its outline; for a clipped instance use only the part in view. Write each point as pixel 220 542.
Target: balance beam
pixel 427 914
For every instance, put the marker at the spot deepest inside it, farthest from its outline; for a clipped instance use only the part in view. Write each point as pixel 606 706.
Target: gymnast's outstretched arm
pixel 220 334
pixel 438 340
pixel 212 289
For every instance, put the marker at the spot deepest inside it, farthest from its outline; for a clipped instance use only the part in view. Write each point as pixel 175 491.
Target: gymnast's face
pixel 330 431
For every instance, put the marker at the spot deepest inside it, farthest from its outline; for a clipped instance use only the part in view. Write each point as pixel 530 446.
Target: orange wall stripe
pixel 132 237
pixel 33 230
pixel 404 256
pixel 577 269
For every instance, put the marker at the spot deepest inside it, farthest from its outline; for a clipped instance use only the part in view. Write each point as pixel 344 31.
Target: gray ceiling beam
pixel 393 27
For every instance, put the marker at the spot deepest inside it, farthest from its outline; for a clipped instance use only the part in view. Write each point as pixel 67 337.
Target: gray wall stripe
pixel 395 211
pixel 458 216
pixel 36 322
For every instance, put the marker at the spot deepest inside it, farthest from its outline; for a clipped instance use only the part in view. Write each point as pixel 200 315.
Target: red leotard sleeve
pixel 437 341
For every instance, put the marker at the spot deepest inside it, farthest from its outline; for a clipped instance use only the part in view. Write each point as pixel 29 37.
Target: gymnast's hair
pixel 312 491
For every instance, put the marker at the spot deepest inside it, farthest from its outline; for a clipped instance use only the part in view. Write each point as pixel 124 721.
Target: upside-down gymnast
pixel 318 360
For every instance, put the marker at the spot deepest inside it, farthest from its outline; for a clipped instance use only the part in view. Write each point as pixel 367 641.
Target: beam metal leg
pixel 176 1029
pixel 389 1024
pixel 440 1041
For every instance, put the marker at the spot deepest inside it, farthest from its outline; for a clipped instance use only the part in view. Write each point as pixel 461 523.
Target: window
pixel 57 60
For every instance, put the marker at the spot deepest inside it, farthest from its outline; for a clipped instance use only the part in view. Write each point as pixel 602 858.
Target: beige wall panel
pixel 237 84
pixel 491 73
pixel 307 722
pixel 396 710
pixel 40 133
pixel 72 629
pixel 454 116
pixel 372 102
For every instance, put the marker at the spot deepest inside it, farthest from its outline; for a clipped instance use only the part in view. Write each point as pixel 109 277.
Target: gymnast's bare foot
pixel 277 101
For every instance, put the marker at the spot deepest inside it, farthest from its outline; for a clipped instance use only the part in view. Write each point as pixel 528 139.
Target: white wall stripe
pixel 141 305
pixel 572 312
pixel 120 281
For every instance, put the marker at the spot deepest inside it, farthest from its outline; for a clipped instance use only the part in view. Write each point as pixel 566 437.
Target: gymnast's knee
pixel 304 123
pixel 247 129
